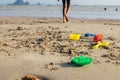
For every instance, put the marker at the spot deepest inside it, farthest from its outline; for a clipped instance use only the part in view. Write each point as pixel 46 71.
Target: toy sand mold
pixel 75 37
pixel 81 60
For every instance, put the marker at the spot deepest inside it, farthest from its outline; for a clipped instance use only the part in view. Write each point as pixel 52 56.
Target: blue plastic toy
pixel 88 34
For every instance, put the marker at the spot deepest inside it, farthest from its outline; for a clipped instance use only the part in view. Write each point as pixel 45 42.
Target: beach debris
pixel 52 66
pixel 88 34
pixel 103 44
pixel 98 37
pixel 39 40
pixel 81 60
pixel 19 28
pixel 113 56
pixel 111 38
pixel 30 77
pixel 75 37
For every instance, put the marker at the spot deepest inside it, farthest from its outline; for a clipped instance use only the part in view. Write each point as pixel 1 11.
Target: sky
pixel 77 2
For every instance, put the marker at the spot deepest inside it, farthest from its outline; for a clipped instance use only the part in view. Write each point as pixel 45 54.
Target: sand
pixel 41 47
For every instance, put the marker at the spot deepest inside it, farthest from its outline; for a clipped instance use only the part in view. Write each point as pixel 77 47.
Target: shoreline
pixel 35 20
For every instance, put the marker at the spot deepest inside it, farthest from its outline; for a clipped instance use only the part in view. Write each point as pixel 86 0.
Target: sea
pixel 81 12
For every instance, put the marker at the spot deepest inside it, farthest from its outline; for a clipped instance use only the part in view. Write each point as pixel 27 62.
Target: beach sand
pixel 41 47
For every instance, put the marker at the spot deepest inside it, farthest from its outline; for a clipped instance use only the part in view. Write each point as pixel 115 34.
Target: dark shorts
pixel 64 1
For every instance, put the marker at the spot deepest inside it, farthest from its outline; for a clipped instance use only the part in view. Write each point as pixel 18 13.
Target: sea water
pixel 82 12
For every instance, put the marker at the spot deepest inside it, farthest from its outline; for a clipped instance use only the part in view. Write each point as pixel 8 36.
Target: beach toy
pixel 88 34
pixel 103 44
pixel 81 60
pixel 98 37
pixel 75 37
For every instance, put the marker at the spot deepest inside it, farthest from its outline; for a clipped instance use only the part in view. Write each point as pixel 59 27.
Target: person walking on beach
pixel 66 9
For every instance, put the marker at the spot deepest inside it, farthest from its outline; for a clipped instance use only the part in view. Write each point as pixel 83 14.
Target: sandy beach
pixel 41 47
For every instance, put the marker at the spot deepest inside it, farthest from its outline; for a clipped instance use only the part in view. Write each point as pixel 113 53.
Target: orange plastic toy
pixel 98 37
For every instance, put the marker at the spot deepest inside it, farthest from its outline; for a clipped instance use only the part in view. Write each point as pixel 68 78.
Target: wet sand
pixel 41 46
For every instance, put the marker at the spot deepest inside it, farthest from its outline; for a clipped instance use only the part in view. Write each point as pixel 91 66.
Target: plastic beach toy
pixel 88 34
pixel 75 37
pixel 104 44
pixel 98 37
pixel 81 60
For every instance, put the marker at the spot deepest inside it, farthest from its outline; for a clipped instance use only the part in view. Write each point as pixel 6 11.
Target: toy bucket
pixel 98 37
pixel 75 37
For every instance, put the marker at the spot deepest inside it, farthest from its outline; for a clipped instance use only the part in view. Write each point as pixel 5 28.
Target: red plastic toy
pixel 98 37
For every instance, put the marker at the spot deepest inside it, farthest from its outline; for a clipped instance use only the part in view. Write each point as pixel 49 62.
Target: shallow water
pixel 85 12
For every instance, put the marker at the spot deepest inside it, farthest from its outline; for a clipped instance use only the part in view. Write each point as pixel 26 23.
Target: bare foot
pixel 67 19
pixel 64 20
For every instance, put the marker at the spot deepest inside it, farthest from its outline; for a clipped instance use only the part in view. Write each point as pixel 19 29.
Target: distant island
pixel 20 2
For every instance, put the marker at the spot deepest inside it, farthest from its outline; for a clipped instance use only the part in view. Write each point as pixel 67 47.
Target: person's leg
pixel 68 6
pixel 64 10
pixel 68 9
